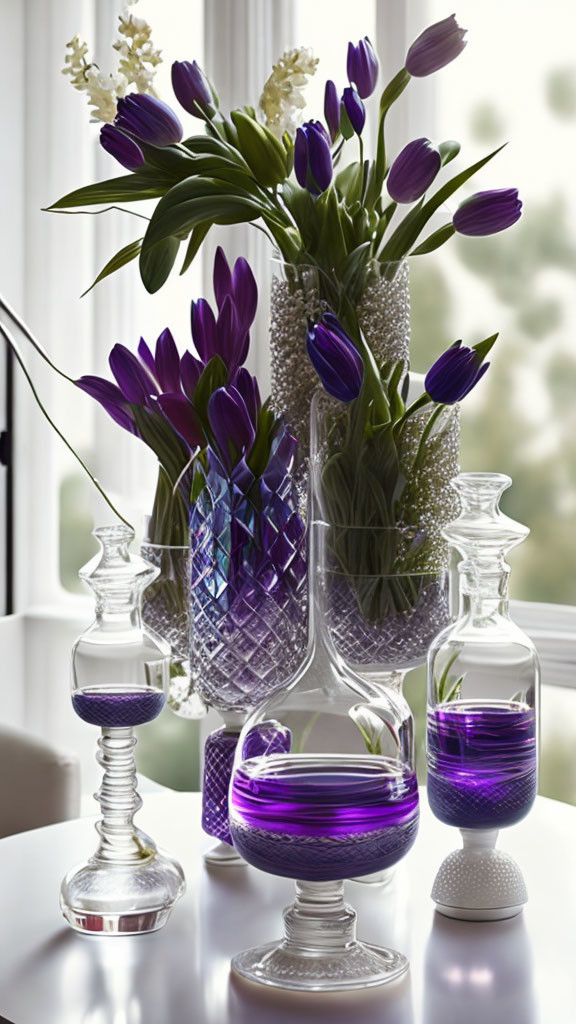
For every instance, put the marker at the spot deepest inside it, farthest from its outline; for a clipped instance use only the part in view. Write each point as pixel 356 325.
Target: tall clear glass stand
pixel 483 709
pixel 120 672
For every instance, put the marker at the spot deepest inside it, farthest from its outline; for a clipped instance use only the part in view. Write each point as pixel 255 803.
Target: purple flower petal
pixel 121 147
pixel 146 357
pixel 110 398
pixel 190 373
pixel 191 88
pixel 355 109
pixel 332 109
pixel 245 293
pixel 134 381
pixel 486 213
pixel 230 423
pixel 167 362
pixel 247 385
pixel 437 46
pixel 204 329
pixel 362 67
pixel 413 171
pixel 149 119
pixel 181 414
pixel 222 277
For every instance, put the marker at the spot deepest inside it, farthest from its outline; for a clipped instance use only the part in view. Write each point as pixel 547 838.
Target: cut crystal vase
pixel 483 696
pixel 119 680
pixel 247 617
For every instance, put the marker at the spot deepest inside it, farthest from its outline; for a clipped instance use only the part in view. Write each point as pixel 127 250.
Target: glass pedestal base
pixel 377 877
pixel 100 897
pixel 224 855
pixel 320 952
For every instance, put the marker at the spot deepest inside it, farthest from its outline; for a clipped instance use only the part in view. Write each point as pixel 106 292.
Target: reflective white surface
pixel 519 971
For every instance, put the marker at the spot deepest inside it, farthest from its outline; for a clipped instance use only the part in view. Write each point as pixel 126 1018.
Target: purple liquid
pixel 299 817
pixel 118 710
pixel 482 764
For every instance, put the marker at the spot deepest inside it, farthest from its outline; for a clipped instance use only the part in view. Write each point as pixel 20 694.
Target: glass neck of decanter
pixel 484 590
pixel 119 611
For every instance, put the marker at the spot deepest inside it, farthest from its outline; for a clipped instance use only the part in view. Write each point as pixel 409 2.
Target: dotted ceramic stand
pixel 478 882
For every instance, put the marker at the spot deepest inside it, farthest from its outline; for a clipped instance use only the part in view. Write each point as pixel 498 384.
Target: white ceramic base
pixel 478 882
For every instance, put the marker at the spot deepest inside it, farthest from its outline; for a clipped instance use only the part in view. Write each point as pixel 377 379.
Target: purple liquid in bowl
pixel 303 817
pixel 120 709
pixel 482 763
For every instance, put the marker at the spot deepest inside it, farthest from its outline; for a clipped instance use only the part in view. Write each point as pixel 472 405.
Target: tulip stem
pixel 31 338
pixel 14 347
pixel 425 435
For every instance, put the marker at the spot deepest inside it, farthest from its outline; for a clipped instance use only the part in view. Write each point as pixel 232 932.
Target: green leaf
pixel 348 182
pixel 157 433
pixel 262 151
pixel 156 262
pixel 196 200
pixel 435 240
pixel 128 188
pixel 483 347
pixel 196 238
pixel 448 151
pixel 393 90
pixel 124 256
pixel 214 376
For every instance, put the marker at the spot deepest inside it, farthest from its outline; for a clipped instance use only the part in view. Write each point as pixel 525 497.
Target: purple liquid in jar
pixel 482 763
pixel 303 817
pixel 118 709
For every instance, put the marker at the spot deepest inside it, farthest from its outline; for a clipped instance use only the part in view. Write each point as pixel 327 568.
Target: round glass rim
pixel 278 261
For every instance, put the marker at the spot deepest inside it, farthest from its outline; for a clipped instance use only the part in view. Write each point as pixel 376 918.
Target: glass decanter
pixel 119 680
pixel 483 696
pixel 323 788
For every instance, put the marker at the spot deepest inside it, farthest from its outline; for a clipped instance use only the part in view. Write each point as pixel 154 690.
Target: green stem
pixel 14 347
pixel 425 435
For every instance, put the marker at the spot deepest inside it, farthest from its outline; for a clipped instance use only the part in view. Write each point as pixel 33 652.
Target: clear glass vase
pixel 119 680
pixel 324 787
pixel 248 616
pixel 379 294
pixel 483 695
pixel 166 610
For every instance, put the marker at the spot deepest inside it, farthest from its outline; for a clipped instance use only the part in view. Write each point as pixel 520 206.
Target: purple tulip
pixel 247 386
pixel 335 358
pixel 181 415
pixel 332 109
pixel 413 171
pixel 239 284
pixel 312 157
pixel 191 88
pixel 121 147
pixel 437 46
pixel 110 398
pixel 134 380
pixel 149 119
pixel 355 109
pixel 486 213
pixel 231 425
pixel 455 373
pixel 167 362
pixel 362 67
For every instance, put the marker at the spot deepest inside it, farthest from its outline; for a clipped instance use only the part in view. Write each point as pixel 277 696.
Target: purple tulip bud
pixel 204 329
pixel 191 88
pixel 121 147
pixel 437 46
pixel 134 380
pixel 455 373
pixel 362 67
pixel 332 109
pixel 230 424
pixel 312 157
pixel 240 285
pixel 486 213
pixel 148 119
pixel 167 361
pixel 181 415
pixel 413 171
pixel 335 358
pixel 111 399
pixel 190 373
pixel 354 108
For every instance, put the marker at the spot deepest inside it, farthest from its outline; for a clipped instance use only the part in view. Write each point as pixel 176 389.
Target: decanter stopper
pixel 482 533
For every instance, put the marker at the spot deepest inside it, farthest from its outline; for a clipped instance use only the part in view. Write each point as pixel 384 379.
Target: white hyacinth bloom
pixel 282 98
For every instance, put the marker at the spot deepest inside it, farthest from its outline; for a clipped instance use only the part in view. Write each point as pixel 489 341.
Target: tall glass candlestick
pixel 120 672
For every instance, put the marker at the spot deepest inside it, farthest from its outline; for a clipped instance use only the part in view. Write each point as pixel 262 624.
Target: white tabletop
pixel 520 971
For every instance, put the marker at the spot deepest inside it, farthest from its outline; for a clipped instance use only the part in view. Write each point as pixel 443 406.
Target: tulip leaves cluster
pixel 362 486
pixel 236 170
